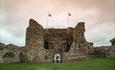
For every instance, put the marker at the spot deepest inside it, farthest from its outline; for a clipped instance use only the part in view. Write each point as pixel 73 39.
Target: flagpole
pixel 49 15
pixel 47 21
pixel 69 15
pixel 68 20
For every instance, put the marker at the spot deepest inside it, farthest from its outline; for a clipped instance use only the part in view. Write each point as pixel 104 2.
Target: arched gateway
pixel 57 58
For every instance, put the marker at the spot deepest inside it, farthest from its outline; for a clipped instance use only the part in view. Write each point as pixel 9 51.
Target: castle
pixel 56 45
pixel 53 45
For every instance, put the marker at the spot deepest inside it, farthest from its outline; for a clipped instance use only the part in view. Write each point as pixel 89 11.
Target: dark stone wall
pixel 58 39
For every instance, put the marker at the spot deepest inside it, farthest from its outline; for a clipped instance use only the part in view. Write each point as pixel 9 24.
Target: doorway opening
pixel 57 58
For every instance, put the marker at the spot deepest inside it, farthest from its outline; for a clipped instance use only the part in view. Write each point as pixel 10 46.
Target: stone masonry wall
pixel 34 42
pixel 42 44
pixel 9 53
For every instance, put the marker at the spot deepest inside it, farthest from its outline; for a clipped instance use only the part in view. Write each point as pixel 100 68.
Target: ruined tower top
pixel 80 26
pixel 33 23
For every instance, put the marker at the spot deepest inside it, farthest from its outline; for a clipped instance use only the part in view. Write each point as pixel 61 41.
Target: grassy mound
pixel 92 64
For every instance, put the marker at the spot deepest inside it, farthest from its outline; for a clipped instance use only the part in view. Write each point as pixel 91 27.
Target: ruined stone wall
pixel 42 44
pixel 78 36
pixel 106 51
pixel 34 35
pixel 34 42
pixel 79 42
pixel 111 53
pixel 9 53
pixel 58 39
pixel 79 47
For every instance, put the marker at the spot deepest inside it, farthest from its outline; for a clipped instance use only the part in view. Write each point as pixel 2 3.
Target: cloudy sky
pixel 99 16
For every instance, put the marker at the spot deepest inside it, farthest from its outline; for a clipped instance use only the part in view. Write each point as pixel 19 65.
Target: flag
pixel 49 15
pixel 69 14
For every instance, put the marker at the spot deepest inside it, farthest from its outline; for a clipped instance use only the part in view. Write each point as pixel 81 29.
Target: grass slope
pixel 92 64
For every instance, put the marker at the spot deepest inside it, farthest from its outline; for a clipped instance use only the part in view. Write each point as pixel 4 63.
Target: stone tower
pixel 34 41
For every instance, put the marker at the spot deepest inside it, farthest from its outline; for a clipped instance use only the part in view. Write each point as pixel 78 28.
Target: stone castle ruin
pixel 53 45
pixel 47 45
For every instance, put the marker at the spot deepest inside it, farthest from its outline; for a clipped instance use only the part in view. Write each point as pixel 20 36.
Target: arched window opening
pixel 46 44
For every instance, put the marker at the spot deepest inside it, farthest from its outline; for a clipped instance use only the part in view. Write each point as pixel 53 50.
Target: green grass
pixel 92 64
